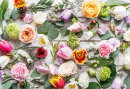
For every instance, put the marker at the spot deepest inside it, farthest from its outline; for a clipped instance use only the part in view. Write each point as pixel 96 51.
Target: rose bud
pixel 66 14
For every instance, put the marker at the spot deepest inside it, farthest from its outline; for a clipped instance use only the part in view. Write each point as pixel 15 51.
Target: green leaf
pixel 115 2
pixel 43 30
pixel 107 18
pixel 96 51
pixel 7 15
pixel 117 22
pixel 35 74
pixel 4 35
pixel 127 81
pixel 15 14
pixel 120 36
pixel 6 85
pixel 14 86
pixel 64 31
pixel 105 36
pixel 114 54
pixel 74 14
pixel 60 23
pixel 26 87
pixel 79 34
pixel 4 6
pixel 47 85
pixel 1 16
pixel 109 81
pixel 53 33
pixel 44 77
pixel 93 85
pixel 49 24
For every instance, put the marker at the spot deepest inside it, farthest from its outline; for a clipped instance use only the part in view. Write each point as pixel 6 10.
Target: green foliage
pixel 14 86
pixel 49 24
pixel 120 36
pixel 44 77
pixel 64 31
pixel 6 85
pixel 115 2
pixel 4 35
pixel 15 14
pixel 59 23
pixel 43 30
pixel 74 15
pixel 47 85
pixel 107 18
pixel 79 34
pixel 7 15
pixel 117 22
pixel 127 81
pixel 35 74
pixel 93 85
pixel 26 87
pixel 53 33
pixel 105 36
pixel 4 7
pixel 114 54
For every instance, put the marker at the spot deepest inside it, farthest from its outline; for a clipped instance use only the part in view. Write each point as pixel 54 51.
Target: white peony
pixel 83 80
pixel 90 46
pixel 71 85
pixel 88 35
pixel 127 62
pixel 4 60
pixel 40 17
pixel 57 2
pixel 118 12
pixel 126 36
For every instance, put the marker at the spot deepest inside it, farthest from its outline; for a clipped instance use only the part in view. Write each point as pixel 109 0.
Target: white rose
pixel 127 62
pixel 118 12
pixel 126 36
pixel 88 35
pixel 83 80
pixel 71 85
pixel 57 2
pixel 40 17
pixel 67 68
pixel 90 46
pixel 4 60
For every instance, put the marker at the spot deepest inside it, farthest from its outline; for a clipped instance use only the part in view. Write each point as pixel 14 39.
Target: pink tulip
pixel 66 14
pixel 64 51
pixel 53 69
pixel 5 47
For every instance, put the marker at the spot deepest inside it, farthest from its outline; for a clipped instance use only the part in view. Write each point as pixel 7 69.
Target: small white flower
pixel 127 62
pixel 71 85
pixel 83 80
pixel 4 60
pixel 57 2
pixel 40 17
pixel 90 46
pixel 126 36
pixel 0 31
pixel 88 35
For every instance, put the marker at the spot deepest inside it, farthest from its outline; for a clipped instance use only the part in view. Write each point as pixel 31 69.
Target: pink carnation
pixel 19 72
pixel 28 18
pixel 41 67
pixel 105 49
pixel 76 27
pixel 102 29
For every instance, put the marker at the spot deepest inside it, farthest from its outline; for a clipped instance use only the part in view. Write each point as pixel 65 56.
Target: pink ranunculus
pixel 5 47
pixel 64 51
pixel 105 49
pixel 28 18
pixel 117 83
pixel 19 72
pixel 76 27
pixel 115 43
pixel 102 29
pixel 41 67
pixel 53 69
pixel 66 14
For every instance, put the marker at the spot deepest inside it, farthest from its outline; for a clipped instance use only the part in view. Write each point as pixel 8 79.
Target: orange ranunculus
pixel 19 3
pixel 57 81
pixel 80 56
pixel 91 8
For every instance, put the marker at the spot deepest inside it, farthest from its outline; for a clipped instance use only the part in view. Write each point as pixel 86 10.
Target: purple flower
pixel 115 43
pixel 2 76
pixel 66 14
pixel 127 20
pixel 117 83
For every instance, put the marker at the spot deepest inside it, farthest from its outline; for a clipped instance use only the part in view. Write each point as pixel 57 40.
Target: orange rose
pixel 91 8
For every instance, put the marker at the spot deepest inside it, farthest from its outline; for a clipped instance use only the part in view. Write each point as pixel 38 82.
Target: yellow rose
pixel 91 8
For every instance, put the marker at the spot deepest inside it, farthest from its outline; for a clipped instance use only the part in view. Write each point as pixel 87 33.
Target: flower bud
pixel 91 72
pixel 66 14
pixel 4 60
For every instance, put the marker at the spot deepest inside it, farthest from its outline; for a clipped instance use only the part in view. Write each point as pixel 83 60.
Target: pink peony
pixel 28 18
pixel 105 49
pixel 19 72
pixel 117 83
pixel 53 69
pixel 115 43
pixel 76 27
pixel 41 67
pixel 102 29
pixel 64 51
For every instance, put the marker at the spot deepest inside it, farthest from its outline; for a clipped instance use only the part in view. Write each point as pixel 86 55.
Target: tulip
pixel 57 81
pixel 66 14
pixel 64 51
pixel 53 69
pixel 4 60
pixel 5 47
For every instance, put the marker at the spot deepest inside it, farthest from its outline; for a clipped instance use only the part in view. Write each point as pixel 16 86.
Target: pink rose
pixel 102 29
pixel 53 69
pixel 76 27
pixel 64 51
pixel 28 18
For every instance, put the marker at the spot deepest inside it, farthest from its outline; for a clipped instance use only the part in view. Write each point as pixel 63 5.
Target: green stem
pixel 127 7
pixel 97 79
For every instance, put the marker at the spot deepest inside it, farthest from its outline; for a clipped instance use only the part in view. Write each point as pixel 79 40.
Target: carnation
pixel 13 31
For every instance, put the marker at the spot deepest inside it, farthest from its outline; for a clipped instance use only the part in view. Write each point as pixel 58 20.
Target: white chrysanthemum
pixel 88 35
pixel 71 85
pixel 90 46
pixel 126 36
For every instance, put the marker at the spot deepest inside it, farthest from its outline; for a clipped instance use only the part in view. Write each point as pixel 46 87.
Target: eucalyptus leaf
pixel 107 18
pixel 64 31
pixel 59 23
pixel 26 87
pixel 4 6
pixel 105 36
pixel 43 30
pixel 10 22
pixel 96 51
pixel 35 74
pixel 15 14
pixel 115 2
pixel 127 81
pixel 49 24
pixel 114 54
pixel 14 86
pixel 44 77
pixel 120 36
pixel 74 14
pixel 6 85
pixel 7 15
pixel 79 34
pixel 47 85
pixel 93 85
pixel 1 16
pixel 117 22
pixel 4 35
pixel 53 33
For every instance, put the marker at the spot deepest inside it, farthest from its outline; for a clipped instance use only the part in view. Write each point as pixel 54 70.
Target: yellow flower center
pixel 43 41
pixel 79 54
pixel 72 86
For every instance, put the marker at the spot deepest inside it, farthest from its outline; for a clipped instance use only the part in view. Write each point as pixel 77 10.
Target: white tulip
pixel 40 17
pixel 90 46
pixel 71 85
pixel 83 80
pixel 88 35
pixel 126 36
pixel 127 62
pixel 4 60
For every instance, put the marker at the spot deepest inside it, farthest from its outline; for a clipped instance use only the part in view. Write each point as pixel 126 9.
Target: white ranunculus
pixel 71 85
pixel 40 17
pixel 83 80
pixel 118 12
pixel 126 36
pixel 67 68
pixel 4 60
pixel 90 46
pixel 127 62
pixel 57 2
pixel 88 35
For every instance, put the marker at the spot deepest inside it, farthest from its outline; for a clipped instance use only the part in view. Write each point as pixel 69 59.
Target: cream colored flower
pixel 71 85
pixel 90 46
pixel 126 36
pixel 0 31
pixel 40 17
pixel 88 35
pixel 4 60
pixel 127 62
pixel 67 68
pixel 57 2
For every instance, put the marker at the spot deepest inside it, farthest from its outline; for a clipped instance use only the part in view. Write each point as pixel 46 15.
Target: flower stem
pixel 127 7
pixel 97 79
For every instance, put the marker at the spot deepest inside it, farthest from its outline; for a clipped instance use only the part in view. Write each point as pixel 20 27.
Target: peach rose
pixel 91 8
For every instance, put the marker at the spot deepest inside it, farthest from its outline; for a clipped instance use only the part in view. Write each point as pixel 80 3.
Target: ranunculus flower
pixel 66 14
pixel 19 72
pixel 104 11
pixel 19 3
pixel 105 48
pixel 117 83
pixel 90 46
pixel 80 56
pixel 72 84
pixel 5 47
pixel 127 62
pixel 42 53
pixel 126 36
pixel 4 60
pixel 102 29
pixel 57 81
pixel 118 12
pixel 76 27
pixel 88 35
pixel 28 18
pixel 27 34
pixel 83 80
pixel 91 8
pixel 65 52
pixel 41 67
pixel 115 43
pixel 53 69
pixel 40 17
pixel 67 68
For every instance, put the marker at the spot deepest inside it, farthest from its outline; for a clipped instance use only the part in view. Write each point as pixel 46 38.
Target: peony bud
pixel 4 60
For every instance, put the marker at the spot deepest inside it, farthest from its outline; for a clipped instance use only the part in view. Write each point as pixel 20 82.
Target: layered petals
pixel 19 3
